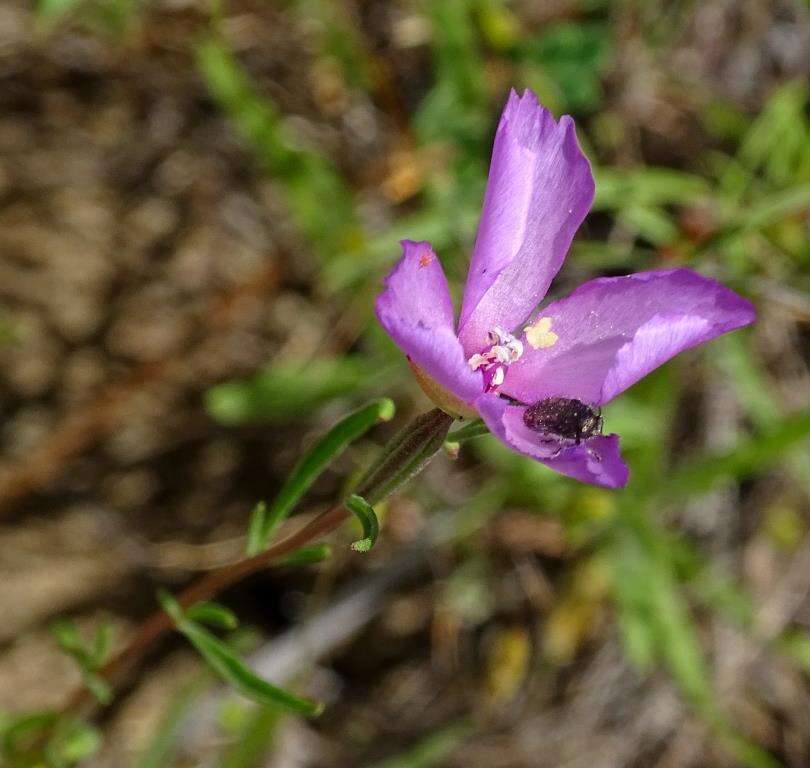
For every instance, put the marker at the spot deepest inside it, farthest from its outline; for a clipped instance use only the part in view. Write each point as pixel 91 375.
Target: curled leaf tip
pixel 386 409
pixel 368 520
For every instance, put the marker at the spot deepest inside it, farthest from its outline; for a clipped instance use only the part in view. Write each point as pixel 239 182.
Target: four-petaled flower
pixel 539 383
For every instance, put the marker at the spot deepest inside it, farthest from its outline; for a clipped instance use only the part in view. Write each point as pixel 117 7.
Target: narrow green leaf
pixel 235 672
pixel 255 534
pixel 213 614
pixel 315 553
pixel 618 189
pixel 364 512
pixel 315 461
pixel 230 667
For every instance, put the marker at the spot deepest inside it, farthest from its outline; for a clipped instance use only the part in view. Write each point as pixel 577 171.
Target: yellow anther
pixel 539 334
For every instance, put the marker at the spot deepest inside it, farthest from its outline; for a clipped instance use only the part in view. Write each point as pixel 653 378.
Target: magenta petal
pixel 416 310
pixel 596 461
pixel 613 331
pixel 540 188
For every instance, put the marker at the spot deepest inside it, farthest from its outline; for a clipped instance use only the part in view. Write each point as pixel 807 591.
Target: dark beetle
pixel 564 417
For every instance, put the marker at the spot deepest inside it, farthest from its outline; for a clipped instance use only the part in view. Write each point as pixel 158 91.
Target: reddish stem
pixel 406 455
pixel 203 589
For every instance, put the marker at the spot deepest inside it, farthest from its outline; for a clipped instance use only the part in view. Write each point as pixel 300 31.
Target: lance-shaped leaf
pixel 230 667
pixel 310 467
pixel 255 534
pixel 364 512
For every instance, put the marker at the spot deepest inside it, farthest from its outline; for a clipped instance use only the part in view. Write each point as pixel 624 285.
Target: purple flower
pixel 539 381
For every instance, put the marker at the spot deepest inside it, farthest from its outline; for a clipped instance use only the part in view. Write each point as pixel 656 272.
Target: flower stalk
pixel 407 454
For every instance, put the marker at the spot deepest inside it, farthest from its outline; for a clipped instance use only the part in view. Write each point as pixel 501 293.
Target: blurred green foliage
pixel 89 656
pixel 106 17
pixel 286 390
pixel 433 750
pixel 41 739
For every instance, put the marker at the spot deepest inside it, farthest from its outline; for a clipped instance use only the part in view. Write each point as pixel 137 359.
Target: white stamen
pixel 515 348
pixel 501 354
pixel 477 361
pixel 504 349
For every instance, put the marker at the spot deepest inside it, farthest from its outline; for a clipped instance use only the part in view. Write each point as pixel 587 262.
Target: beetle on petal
pixel 539 382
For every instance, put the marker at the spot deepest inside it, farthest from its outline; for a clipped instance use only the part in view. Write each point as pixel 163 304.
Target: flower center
pixel 504 350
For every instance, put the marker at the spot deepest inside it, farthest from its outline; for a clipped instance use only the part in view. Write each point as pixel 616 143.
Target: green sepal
pixel 405 456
